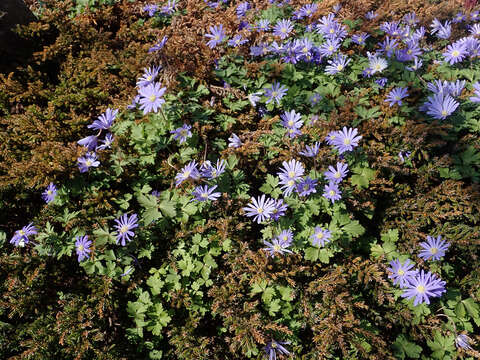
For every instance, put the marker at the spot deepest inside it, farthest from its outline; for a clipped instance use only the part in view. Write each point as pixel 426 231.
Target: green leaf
pixel 168 208
pixel 103 236
pixel 312 254
pixel 403 348
pixel 391 236
pixel 472 309
pixel 354 229
pixel 362 177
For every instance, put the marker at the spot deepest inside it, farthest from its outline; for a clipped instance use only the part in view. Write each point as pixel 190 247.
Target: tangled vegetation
pixel 242 180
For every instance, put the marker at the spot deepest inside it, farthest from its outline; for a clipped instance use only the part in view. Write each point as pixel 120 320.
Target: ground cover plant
pixel 242 180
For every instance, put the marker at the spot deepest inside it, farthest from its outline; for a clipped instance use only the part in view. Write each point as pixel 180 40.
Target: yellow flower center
pixel 320 235
pixel 332 193
pixel 186 174
pixel 290 123
pixel 260 210
pixel 434 250
pixel 88 163
pixel 204 195
pixel 80 247
pixel 401 272
pixel 124 229
pixel 421 289
pixel 291 183
pixel 149 77
pixel 217 37
pixel 339 67
pixel 455 53
pixel 283 30
pixel 409 51
pixel 346 141
pixel 330 48
pixel 152 98
pixel 274 94
pixel 21 232
pixel 332 31
pixel 49 192
pixel 277 247
pixel 337 175
pixel 444 113
pixel 291 174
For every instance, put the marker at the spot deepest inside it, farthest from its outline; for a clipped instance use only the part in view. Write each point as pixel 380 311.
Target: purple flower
pixel 279 209
pixel 254 98
pixel 151 9
pixel 411 19
pixel 474 29
pixel 211 172
pixel 456 52
pixel 417 64
pixel 433 248
pixel 370 15
pixel 307 10
pixel 260 208
pixel 88 161
pixel 283 28
pixel 273 347
pixel 151 97
pixel 106 143
pixel 276 92
pixel 360 38
pixel 216 36
pixel 159 45
pixel 439 106
pixel 396 95
pixel 276 246
pixel 149 75
pixel 476 93
pixel 306 187
pixel 170 8
pixel 234 141
pixel 311 151
pixel 346 140
pixel 329 47
pixel 388 46
pixel 82 246
pixel 124 226
pixel 401 273
pixel 459 18
pixel 291 172
pixel 381 82
pixel 20 238
pixel 315 99
pixel 336 65
pixel 49 194
pixel 155 193
pixel 422 287
pixel 402 155
pixel 105 120
pixel 320 237
pixel 190 171
pixel 237 40
pixel 182 133
pixel 336 175
pixel 260 50
pixel 292 121
pixel 263 25
pixel 330 138
pixel 475 16
pixel 90 142
pixel 463 341
pixel 332 192
pixel 134 103
pixel 204 193
pixel 242 9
